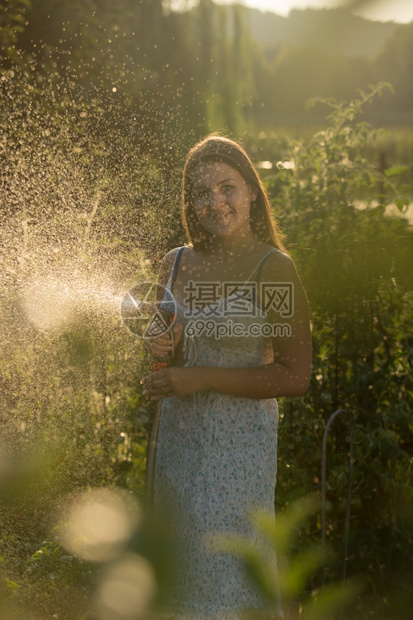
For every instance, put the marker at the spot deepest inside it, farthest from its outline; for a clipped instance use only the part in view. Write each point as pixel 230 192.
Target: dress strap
pixel 258 269
pixel 175 267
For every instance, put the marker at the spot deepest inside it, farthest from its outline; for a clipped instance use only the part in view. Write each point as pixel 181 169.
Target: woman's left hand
pixel 173 381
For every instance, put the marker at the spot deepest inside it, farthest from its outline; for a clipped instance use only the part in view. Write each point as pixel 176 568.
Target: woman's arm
pixel 288 375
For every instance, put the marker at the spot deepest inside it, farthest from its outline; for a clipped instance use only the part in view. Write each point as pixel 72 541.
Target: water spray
pixel 148 310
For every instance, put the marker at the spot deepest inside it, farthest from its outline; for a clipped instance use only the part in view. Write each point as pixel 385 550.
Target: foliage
pixel 356 266
pixel 207 63
pixel 94 127
pixel 12 20
pixel 286 581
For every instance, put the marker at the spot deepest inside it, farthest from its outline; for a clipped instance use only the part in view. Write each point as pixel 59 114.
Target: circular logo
pixel 148 310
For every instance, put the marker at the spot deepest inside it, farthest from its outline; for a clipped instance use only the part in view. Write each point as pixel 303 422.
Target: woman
pixel 244 339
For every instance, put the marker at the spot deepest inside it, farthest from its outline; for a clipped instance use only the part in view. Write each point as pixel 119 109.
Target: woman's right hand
pixel 160 348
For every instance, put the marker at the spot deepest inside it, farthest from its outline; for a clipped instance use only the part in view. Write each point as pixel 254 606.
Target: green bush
pixel 355 263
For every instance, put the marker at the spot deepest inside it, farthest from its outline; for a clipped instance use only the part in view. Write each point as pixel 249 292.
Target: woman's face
pixel 222 199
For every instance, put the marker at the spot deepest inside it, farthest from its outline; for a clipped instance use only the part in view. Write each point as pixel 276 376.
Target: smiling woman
pixel 222 199
pixel 244 339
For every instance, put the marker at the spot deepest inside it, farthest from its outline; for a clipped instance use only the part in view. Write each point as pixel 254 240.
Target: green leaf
pixel 293 581
pixel 281 532
pixel 395 170
pixel 12 585
pixel 328 601
pixel 401 203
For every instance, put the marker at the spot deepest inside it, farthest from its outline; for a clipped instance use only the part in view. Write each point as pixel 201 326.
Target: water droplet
pixel 99 523
pixel 126 590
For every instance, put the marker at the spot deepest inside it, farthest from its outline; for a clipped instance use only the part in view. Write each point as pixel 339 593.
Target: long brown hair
pixel 220 148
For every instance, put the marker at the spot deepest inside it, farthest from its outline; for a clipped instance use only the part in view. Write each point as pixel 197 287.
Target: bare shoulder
pixel 279 266
pixel 279 269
